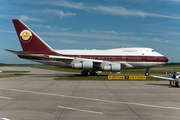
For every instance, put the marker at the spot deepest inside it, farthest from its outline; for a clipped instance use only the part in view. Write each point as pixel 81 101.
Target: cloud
pixel 7 31
pixel 108 10
pixel 113 38
pixel 5 16
pixel 113 44
pixel 22 17
pixel 65 29
pixel 86 35
pixel 171 0
pixel 112 32
pixel 159 40
pixel 121 11
pixel 68 41
pixel 118 10
pixel 61 40
pixel 111 10
pixel 68 4
pixel 50 27
pixel 118 37
pixel 26 18
pixel 58 13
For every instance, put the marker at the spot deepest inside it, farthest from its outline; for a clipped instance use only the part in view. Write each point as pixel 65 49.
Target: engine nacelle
pixel 86 65
pixel 112 67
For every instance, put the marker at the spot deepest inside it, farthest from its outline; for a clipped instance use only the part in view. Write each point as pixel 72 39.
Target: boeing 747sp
pixel 35 49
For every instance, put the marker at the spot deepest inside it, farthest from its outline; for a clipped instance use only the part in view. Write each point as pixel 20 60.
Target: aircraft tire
pixel 146 74
pixel 84 73
pixel 93 73
pixel 177 85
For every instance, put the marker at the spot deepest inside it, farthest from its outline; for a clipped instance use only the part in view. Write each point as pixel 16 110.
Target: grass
pixel 128 71
pixel 58 69
pixel 5 76
pixel 105 78
pixel 15 71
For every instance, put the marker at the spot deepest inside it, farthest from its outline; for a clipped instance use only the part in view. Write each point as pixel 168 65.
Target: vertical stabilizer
pixel 29 40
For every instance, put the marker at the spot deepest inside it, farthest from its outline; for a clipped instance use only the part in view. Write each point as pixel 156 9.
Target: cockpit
pixel 153 50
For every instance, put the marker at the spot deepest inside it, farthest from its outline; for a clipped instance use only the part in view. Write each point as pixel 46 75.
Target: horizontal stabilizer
pixel 52 56
pixel 38 55
pixel 162 77
pixel 26 54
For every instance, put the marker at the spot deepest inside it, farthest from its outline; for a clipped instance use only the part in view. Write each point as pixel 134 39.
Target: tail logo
pixel 25 36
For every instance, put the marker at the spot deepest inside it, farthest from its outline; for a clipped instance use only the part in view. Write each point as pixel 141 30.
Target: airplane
pixel 176 79
pixel 114 60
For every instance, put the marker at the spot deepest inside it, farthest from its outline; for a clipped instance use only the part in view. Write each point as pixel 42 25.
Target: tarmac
pixel 37 96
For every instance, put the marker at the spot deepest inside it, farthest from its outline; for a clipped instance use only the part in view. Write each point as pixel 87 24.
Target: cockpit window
pixel 153 50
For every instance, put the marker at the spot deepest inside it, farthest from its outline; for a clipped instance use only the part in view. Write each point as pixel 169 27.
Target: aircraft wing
pixel 72 58
pixel 162 77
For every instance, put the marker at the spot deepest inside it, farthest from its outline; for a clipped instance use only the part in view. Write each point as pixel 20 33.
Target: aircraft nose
pixel 165 59
pixel 162 60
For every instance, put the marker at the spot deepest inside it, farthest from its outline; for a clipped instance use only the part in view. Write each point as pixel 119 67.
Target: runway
pixel 37 96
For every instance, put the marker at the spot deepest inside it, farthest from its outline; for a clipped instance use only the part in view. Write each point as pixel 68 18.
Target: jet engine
pixel 112 67
pixel 86 65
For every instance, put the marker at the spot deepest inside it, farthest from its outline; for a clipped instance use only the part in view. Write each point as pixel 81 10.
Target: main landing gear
pixel 93 73
pixel 85 73
pixel 147 71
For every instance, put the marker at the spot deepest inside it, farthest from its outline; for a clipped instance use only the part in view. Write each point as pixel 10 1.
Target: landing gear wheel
pixel 146 74
pixel 93 73
pixel 147 71
pixel 84 73
pixel 177 85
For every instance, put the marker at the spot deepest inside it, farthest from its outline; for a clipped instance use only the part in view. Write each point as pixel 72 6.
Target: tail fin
pixel 29 40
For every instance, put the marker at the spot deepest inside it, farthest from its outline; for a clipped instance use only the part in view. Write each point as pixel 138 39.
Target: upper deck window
pixel 130 51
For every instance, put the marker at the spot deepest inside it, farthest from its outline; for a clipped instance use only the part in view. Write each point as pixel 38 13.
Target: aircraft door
pixel 123 58
pixel 79 56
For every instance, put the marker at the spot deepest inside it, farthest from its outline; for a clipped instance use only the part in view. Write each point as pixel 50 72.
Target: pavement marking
pixel 5 119
pixel 80 110
pixel 94 99
pixel 5 97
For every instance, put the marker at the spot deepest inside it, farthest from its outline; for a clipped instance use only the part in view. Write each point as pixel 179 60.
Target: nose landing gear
pixel 93 73
pixel 147 72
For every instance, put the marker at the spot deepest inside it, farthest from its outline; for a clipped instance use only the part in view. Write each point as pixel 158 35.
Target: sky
pixel 93 24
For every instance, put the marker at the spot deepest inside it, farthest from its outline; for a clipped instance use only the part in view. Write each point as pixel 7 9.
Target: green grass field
pixel 15 71
pixel 105 78
pixel 5 76
pixel 153 71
